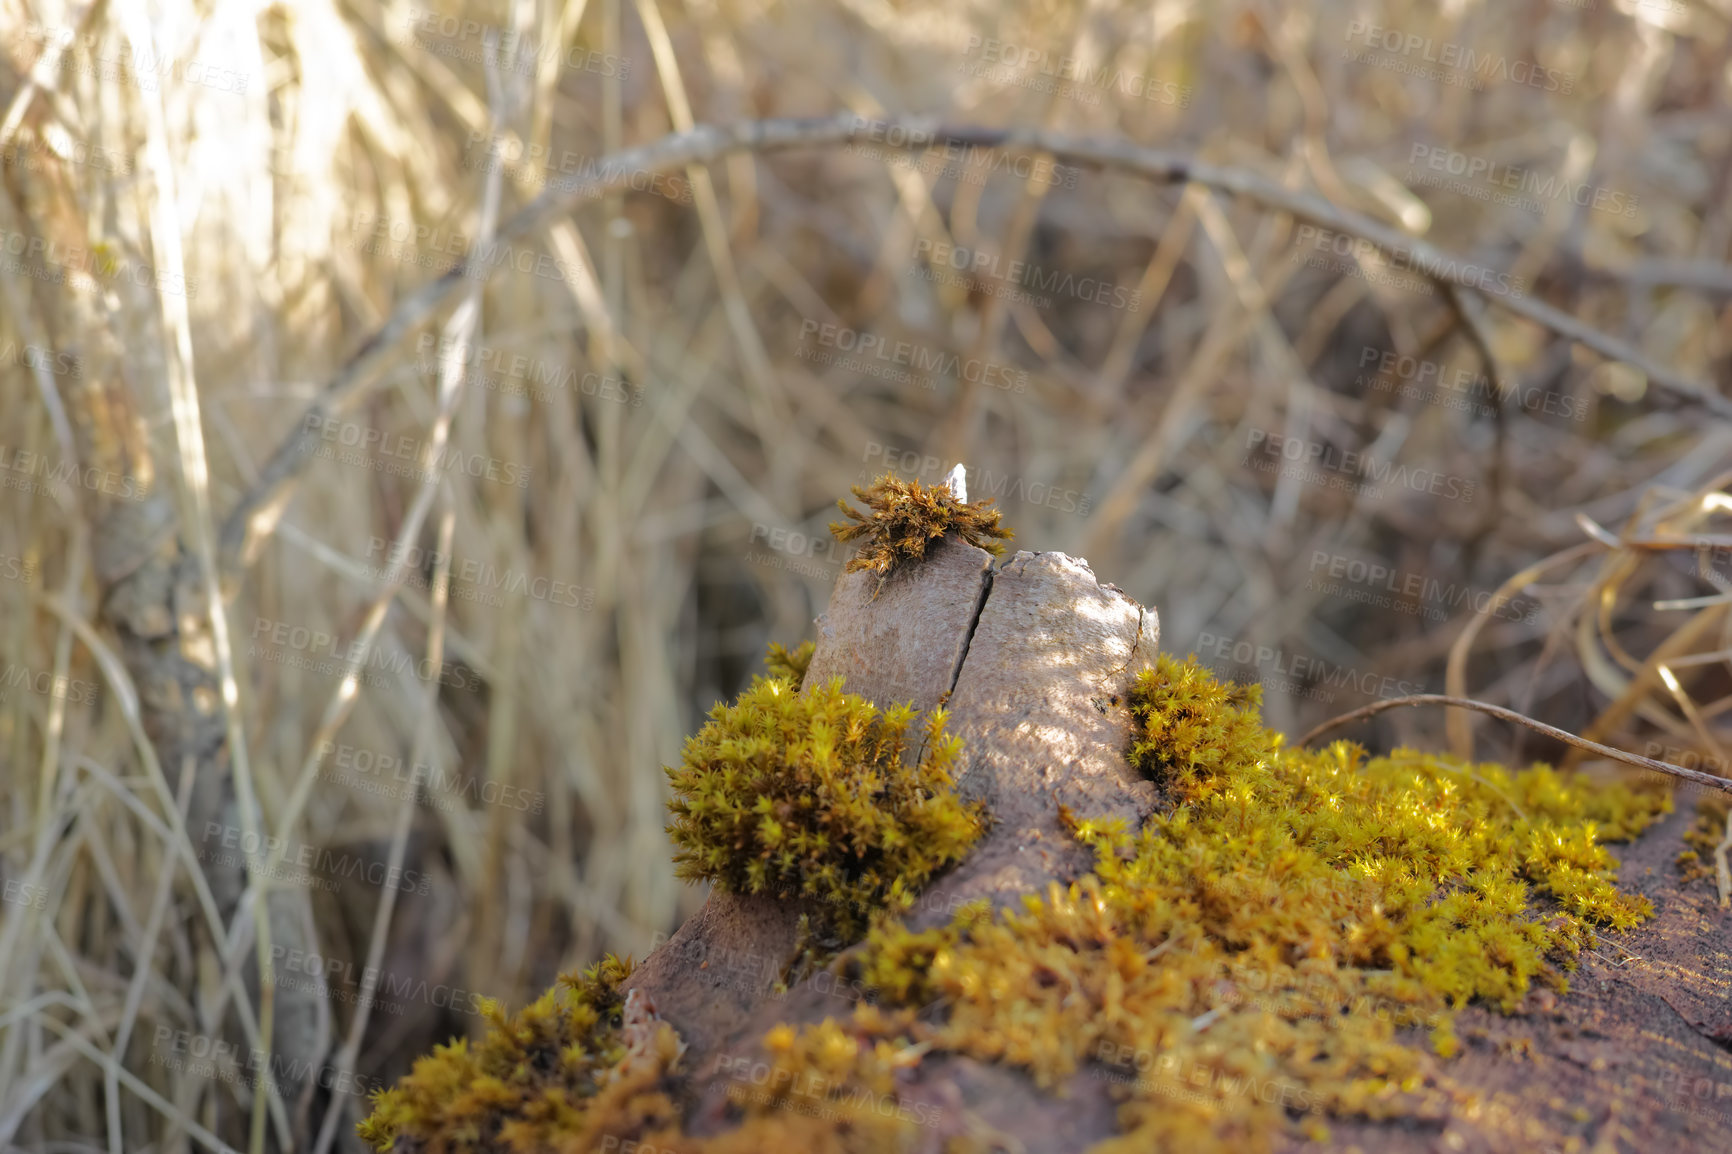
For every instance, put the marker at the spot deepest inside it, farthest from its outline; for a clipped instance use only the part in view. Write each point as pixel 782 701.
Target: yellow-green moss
pixel 1241 966
pixel 806 794
pixel 825 1087
pixel 535 1081
pixel 904 516
pixel 793 665
pixel 1249 954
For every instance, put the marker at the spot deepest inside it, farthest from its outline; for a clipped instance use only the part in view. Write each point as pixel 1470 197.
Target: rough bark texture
pixel 1625 1061
pixel 1635 1057
pixel 1040 707
pixel 903 641
pixel 720 966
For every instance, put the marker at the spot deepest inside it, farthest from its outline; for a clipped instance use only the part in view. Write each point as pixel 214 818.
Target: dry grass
pixel 597 610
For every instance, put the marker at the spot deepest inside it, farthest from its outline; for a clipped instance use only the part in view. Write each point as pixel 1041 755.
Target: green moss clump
pixel 793 665
pixel 904 516
pixel 827 1088
pixel 1240 968
pixel 1447 851
pixel 1242 963
pixel 807 795
pixel 549 1075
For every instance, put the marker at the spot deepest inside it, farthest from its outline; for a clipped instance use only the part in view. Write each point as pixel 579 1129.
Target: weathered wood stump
pixel 1035 660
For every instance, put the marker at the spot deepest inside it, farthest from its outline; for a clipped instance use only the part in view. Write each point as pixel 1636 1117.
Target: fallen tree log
pixel 1637 1053
pixel 726 1026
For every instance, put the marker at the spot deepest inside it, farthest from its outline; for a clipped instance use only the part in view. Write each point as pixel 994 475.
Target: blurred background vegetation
pixel 210 207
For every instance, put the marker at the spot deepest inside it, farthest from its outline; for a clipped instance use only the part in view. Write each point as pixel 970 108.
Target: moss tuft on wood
pixel 903 517
pixel 811 795
pixel 567 1067
pixel 793 665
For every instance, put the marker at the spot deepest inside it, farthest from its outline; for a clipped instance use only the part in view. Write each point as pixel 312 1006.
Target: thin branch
pixel 1551 731
pixel 256 513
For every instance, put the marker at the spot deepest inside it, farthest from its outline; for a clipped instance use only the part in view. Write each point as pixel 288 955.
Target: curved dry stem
pixel 1499 711
pixel 256 513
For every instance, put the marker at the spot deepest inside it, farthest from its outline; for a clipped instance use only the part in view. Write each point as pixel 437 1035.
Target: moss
pixel 1247 964
pixel 809 795
pixel 825 1087
pixel 904 516
pixel 540 1079
pixel 793 665
pixel 1250 954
